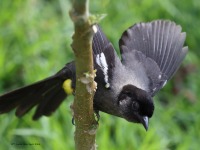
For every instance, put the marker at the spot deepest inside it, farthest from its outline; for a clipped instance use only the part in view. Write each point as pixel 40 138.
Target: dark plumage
pixel 151 53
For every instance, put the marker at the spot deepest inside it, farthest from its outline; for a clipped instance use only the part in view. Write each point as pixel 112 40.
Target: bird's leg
pixel 73 121
pixel 96 112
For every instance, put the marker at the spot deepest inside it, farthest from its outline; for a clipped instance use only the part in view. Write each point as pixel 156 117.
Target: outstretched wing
pixel 158 45
pixel 104 56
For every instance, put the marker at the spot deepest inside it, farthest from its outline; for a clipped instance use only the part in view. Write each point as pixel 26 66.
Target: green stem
pixel 83 103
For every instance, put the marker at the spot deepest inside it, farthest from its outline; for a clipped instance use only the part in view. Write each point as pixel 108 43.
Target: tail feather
pixel 46 95
pixel 50 101
pixel 51 107
pixel 27 103
pixel 27 97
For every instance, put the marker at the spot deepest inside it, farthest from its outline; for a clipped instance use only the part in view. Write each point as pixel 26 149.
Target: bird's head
pixel 136 105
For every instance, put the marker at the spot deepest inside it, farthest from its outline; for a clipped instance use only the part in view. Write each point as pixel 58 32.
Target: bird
pixel 151 53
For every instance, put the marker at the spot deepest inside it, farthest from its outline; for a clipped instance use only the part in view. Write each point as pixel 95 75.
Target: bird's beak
pixel 145 122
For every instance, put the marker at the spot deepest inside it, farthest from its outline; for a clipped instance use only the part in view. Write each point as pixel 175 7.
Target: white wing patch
pixel 101 61
pixel 94 27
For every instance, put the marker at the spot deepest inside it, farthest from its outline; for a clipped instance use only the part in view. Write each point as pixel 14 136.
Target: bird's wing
pixel 158 45
pixel 104 56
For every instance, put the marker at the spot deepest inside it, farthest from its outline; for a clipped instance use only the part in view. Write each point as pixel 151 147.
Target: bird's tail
pixel 46 94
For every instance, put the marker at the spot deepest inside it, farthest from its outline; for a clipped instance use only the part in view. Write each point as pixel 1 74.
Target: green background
pixel 35 38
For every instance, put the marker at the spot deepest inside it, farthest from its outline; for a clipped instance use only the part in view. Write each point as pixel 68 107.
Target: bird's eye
pixel 127 93
pixel 135 105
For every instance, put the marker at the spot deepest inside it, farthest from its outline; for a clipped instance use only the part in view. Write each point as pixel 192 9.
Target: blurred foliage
pixel 35 38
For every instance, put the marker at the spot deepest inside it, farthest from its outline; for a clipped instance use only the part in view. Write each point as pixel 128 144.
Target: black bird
pixel 150 55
